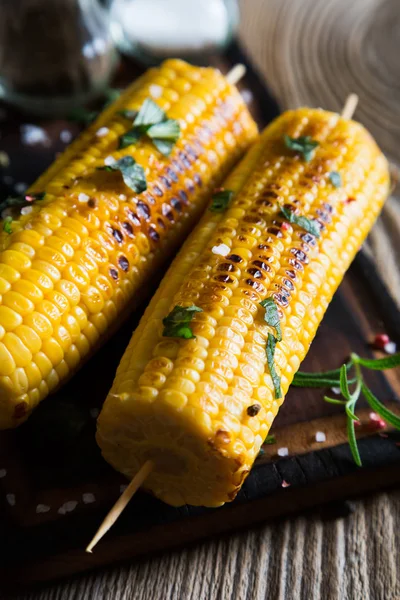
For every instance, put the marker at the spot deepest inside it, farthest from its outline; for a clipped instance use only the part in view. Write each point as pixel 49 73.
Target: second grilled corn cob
pixel 77 258
pixel 305 198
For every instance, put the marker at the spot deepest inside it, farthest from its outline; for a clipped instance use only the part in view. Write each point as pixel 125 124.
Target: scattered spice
pixel 177 323
pixel 285 226
pixel 285 484
pixel 283 452
pixel 221 200
pixel 83 197
pixel 380 341
pixel 253 410
pixel 320 436
pixel 376 422
pixel 26 210
pixel 349 200
pixel 19 201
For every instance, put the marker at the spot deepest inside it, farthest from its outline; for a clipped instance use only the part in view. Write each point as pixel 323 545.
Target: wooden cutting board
pixel 55 488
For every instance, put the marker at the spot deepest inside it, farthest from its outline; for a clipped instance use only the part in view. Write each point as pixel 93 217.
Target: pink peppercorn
pixel 380 341
pixel 376 422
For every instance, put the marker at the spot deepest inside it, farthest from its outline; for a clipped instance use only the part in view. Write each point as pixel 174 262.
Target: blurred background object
pixel 152 30
pixel 54 54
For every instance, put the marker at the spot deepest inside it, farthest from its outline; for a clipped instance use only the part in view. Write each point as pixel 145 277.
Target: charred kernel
pixel 184 197
pixel 150 199
pixel 269 194
pixel 166 182
pixel 321 226
pixel 114 274
pixel 290 273
pixel 223 436
pixel 172 175
pixel 323 215
pixel 328 207
pixel 197 180
pixel 20 410
pixel 117 235
pixel 235 258
pixel 300 255
pixel 123 263
pixel 176 204
pixel 309 238
pixel 91 203
pixel 160 223
pixel 153 234
pixel 262 265
pixel 256 285
pixel 158 191
pixel 178 166
pixel 185 161
pixel 255 273
pixel 225 267
pixel 288 284
pixel 223 278
pixel 296 264
pixel 253 410
pixel 128 228
pixel 349 200
pixel 281 299
pixel 264 202
pixel 190 186
pixel 143 210
pixel 66 187
pixel 275 231
pixel 264 247
pixel 134 218
pixel 192 154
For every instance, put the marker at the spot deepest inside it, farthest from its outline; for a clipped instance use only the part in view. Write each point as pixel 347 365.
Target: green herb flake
pixel 128 114
pixel 132 173
pixel 351 396
pixel 335 179
pixel 177 323
pixel 7 225
pixel 272 316
pixel 270 439
pixel 270 351
pixel 220 200
pixel 82 115
pixel 304 145
pixel 306 224
pixel 153 122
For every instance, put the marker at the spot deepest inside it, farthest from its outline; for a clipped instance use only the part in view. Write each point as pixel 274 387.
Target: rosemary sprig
pixel 340 378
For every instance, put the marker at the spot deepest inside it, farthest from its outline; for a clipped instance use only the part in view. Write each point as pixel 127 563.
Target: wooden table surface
pixel 310 53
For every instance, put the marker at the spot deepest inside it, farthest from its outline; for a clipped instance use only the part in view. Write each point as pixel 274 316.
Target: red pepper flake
pixel 349 200
pixel 285 484
pixel 285 226
pixel 376 422
pixel 383 435
pixel 357 423
pixel 380 341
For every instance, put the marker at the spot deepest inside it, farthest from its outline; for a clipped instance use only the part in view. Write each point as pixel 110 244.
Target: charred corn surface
pixel 76 262
pixel 185 403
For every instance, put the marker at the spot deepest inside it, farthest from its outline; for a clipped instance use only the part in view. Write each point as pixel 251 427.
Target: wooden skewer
pixel 236 74
pixel 121 503
pixel 350 106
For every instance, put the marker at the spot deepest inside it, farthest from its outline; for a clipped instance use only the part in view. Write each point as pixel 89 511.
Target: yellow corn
pixel 75 264
pixel 201 408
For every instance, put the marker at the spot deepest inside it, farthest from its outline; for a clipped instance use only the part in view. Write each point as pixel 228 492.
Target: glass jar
pixel 54 54
pixel 152 30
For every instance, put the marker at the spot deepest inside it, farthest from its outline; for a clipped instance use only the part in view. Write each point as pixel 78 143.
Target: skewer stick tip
pixel 121 504
pixel 350 106
pixel 236 74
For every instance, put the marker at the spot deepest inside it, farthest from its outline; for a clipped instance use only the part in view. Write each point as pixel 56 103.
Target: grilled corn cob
pixel 305 197
pixel 77 258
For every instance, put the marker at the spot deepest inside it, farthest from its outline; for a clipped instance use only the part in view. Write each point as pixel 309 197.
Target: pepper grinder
pixel 54 54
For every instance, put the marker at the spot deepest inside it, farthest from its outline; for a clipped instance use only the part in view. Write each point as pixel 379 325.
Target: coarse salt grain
pixel 221 250
pixel 285 484
pixel 26 210
pixel 3 473
pixel 20 187
pixel 10 499
pixel 66 136
pixel 67 507
pixel 109 161
pixel 335 390
pixel 42 508
pixel 320 436
pixel 155 90
pixel 247 96
pixel 102 131
pixel 390 348
pixel 94 413
pixel 122 197
pixel 83 197
pixel 32 135
pixel 283 452
pixel 88 498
